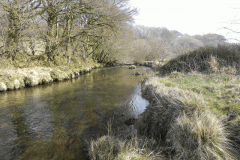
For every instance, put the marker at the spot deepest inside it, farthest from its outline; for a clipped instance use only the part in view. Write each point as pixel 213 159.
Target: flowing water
pixel 58 120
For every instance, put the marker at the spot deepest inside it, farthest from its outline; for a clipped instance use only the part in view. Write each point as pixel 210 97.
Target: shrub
pixel 201 60
pixel 199 136
pixel 21 60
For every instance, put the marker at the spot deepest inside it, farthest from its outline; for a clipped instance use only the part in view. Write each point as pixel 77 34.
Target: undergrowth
pixel 224 58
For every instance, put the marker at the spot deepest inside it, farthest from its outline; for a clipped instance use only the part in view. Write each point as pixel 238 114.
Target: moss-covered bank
pixel 30 71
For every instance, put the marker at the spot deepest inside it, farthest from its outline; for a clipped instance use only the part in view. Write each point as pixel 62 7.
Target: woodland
pixel 101 30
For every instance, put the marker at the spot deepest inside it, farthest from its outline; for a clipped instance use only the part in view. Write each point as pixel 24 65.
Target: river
pixel 58 120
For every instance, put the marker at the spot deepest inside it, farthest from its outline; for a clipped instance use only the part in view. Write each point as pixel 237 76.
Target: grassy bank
pixel 28 71
pixel 181 122
pixel 221 92
pixel 189 115
pixel 194 108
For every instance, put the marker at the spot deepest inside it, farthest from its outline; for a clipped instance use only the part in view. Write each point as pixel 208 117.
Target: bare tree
pixel 15 11
pixel 185 44
pixel 85 21
pixel 211 39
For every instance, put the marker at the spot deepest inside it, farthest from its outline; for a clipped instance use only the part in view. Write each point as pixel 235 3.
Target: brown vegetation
pixel 205 59
pixel 182 120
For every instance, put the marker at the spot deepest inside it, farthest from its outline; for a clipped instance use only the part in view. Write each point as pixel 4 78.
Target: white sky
pixel 190 16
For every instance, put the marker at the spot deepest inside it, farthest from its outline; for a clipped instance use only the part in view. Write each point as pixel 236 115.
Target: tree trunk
pixel 13 31
pixel 51 46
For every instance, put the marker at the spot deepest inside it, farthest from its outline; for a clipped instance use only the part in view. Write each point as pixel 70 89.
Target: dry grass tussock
pixel 182 119
pixel 199 136
pixel 167 104
pixel 205 59
pixel 110 147
pixel 122 146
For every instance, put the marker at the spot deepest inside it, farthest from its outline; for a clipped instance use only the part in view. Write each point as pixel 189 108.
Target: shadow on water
pixel 58 120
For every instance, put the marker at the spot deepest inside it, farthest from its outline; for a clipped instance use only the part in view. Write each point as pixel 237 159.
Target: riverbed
pixel 58 120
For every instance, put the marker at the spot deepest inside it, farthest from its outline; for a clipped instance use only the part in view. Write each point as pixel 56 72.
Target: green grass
pixel 221 92
pixel 35 70
pixel 188 113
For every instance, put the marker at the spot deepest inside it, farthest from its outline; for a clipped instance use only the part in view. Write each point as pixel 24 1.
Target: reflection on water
pixel 57 120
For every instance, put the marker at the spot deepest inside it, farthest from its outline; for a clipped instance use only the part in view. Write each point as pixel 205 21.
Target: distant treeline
pixel 97 29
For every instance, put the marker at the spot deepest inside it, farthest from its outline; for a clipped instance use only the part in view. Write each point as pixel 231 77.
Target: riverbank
pixel 185 119
pixel 196 115
pixel 193 110
pixel 32 71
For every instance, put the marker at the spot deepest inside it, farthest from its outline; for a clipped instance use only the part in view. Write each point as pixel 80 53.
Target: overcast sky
pixel 190 16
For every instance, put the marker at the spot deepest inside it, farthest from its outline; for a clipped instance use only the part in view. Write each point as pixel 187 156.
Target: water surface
pixel 58 120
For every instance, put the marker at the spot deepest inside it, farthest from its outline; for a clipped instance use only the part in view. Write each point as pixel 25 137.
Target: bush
pixel 21 60
pixel 199 136
pixel 201 60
